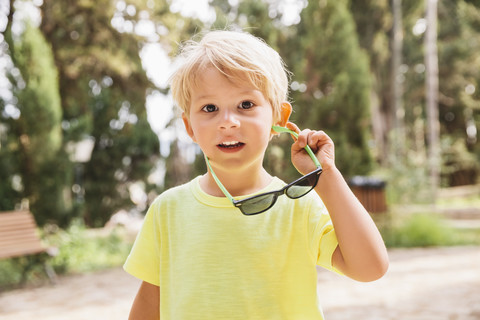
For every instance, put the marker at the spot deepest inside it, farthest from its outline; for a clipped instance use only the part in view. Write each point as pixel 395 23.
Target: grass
pixel 425 230
pixel 472 201
pixel 413 222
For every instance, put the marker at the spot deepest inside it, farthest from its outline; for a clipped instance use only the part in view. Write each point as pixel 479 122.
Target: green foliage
pixel 33 147
pixel 334 72
pixel 9 274
pixel 407 181
pixel 84 77
pixel 460 167
pixel 9 195
pixel 426 230
pixel 80 250
pixel 24 270
pixel 39 100
pixel 458 71
pixel 420 230
pixel 103 88
pixel 125 152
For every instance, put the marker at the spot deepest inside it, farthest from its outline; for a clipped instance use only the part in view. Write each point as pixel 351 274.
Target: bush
pixel 426 230
pixel 9 273
pixel 83 250
pixel 407 180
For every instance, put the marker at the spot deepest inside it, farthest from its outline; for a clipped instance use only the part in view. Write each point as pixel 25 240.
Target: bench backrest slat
pixel 18 235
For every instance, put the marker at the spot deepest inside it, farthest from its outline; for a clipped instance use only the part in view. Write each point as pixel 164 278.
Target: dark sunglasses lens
pixel 257 204
pixel 303 186
pixel 297 191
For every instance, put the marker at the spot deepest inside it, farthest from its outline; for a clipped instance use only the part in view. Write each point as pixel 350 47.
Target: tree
pixel 332 82
pixel 399 138
pixel 458 100
pixel 456 73
pixel 374 22
pixel 431 85
pixel 35 156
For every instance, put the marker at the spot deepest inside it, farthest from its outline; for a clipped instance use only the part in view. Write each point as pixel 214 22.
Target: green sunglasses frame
pixel 239 203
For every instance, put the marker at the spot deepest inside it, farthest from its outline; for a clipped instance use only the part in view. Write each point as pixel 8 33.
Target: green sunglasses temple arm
pixel 220 185
pixel 307 147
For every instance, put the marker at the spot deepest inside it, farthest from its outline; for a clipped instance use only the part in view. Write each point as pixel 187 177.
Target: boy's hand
pixel 321 145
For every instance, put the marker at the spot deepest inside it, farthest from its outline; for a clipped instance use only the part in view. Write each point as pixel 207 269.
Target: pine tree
pixel 332 82
pixel 38 147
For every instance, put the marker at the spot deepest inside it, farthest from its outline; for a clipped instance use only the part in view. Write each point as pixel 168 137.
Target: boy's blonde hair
pixel 241 57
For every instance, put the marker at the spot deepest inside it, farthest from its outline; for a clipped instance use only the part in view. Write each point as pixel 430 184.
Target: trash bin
pixel 370 191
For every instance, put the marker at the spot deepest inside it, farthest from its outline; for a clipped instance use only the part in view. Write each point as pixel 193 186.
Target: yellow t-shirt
pixel 212 262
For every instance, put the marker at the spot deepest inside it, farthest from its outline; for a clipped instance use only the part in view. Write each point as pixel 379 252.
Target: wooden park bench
pixel 19 238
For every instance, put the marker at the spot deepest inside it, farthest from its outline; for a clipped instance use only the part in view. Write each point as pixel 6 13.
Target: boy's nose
pixel 229 120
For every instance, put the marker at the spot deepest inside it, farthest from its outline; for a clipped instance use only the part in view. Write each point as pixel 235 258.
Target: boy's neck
pixel 237 183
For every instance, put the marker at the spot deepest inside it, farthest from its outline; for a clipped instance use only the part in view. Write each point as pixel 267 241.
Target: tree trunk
pixel 397 83
pixel 431 85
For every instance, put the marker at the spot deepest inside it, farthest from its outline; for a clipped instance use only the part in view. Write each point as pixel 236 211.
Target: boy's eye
pixel 209 108
pixel 246 105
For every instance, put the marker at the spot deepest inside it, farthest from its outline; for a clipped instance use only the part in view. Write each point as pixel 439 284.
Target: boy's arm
pixel 361 252
pixel 146 305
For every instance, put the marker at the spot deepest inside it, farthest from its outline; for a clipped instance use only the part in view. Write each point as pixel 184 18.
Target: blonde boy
pixel 199 257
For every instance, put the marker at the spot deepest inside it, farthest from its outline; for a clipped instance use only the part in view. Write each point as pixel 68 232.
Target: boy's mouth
pixel 230 144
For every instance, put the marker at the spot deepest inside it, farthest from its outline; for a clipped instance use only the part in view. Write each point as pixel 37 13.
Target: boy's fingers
pixel 307 136
pixel 304 137
pixel 318 136
pixel 315 139
pixel 292 126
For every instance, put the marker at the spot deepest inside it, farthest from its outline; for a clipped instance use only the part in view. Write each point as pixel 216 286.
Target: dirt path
pixel 421 284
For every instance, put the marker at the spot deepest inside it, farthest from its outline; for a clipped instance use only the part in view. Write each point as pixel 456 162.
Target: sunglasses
pixel 262 202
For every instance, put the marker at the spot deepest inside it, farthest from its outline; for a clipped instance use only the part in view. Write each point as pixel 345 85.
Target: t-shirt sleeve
pixel 323 237
pixel 143 261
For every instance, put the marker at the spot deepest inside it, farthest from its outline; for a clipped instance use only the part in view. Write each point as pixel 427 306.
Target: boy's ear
pixel 188 127
pixel 285 113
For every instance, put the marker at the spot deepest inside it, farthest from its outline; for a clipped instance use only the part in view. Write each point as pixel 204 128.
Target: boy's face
pixel 231 122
